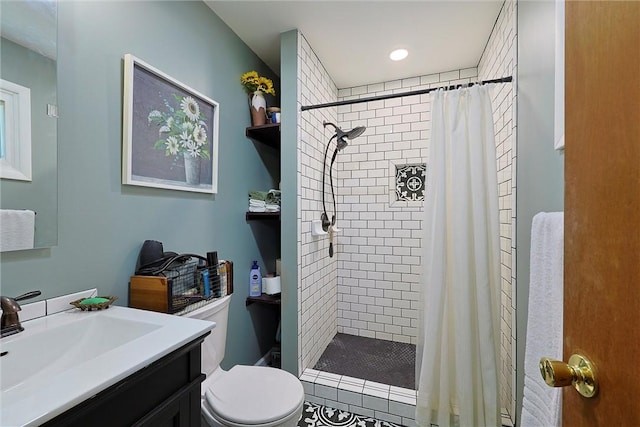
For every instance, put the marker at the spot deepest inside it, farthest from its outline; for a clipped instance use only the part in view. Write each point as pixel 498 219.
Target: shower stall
pixel 368 291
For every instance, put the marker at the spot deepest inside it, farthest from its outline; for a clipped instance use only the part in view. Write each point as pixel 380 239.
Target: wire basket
pixel 189 283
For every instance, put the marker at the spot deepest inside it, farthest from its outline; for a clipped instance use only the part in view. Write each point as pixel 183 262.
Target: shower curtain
pixel 458 339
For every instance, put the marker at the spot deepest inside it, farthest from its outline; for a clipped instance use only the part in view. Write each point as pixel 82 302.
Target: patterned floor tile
pixel 315 415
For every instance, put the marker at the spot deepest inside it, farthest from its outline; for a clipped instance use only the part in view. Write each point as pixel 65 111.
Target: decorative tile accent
pixel 411 182
pixel 314 415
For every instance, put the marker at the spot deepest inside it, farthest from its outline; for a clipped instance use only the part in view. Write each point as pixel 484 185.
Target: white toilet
pixel 244 396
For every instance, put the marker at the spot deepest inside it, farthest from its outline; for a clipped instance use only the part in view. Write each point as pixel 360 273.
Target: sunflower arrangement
pixel 182 129
pixel 253 82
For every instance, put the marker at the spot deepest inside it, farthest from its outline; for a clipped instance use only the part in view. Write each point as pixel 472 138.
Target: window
pixel 15 131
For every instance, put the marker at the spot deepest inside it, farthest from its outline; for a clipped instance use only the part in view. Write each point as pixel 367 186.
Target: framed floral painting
pixel 170 132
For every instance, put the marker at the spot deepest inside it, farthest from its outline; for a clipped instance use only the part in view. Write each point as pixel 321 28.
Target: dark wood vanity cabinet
pixel 165 393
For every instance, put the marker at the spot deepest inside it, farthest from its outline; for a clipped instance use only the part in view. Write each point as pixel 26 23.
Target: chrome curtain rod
pixel 398 95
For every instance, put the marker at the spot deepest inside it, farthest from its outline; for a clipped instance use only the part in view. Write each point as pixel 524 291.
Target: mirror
pixel 28 136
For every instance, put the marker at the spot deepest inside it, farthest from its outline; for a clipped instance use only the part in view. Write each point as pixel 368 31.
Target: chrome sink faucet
pixel 10 322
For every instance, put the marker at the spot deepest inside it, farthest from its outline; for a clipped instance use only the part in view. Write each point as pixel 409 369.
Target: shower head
pixel 341 142
pixel 341 135
pixel 355 132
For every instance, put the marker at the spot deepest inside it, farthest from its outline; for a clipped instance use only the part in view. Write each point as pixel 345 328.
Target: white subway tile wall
pixel 317 294
pixel 500 60
pixel 372 288
pixel 379 259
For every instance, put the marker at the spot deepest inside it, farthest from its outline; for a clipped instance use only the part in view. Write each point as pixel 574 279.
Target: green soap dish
pixel 97 303
pixel 96 300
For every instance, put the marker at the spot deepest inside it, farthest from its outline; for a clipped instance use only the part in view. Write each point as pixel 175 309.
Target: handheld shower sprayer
pixel 341 142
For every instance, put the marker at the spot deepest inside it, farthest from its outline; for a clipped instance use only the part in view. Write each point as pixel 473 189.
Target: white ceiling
pixel 353 38
pixel 32 24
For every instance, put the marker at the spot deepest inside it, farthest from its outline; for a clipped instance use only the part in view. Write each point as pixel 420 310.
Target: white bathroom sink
pixel 61 360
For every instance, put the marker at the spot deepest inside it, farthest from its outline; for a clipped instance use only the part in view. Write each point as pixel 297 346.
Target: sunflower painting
pixel 170 135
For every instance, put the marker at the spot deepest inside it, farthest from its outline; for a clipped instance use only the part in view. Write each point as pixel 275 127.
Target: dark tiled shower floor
pixel 371 359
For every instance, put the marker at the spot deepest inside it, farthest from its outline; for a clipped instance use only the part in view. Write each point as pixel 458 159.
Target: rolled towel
pixel 273 197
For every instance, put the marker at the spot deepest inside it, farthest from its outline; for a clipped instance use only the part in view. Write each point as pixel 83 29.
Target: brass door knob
pixel 579 372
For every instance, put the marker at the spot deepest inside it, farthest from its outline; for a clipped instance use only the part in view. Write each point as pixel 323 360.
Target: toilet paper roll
pixel 271 285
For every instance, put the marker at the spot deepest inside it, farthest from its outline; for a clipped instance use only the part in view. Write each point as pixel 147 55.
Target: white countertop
pixel 61 360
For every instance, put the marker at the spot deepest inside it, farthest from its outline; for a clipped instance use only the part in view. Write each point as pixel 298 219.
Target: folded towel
pixel 254 202
pixel 257 209
pixel 541 404
pixel 272 196
pixel 258 195
pixel 272 208
pixel 17 229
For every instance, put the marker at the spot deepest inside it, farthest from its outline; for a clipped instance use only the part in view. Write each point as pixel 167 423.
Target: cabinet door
pixel 180 410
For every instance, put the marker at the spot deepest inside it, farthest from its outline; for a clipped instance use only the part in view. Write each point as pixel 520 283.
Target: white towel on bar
pixel 541 404
pixel 17 229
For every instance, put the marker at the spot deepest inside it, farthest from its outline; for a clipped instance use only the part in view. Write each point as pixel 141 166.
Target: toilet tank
pixel 213 346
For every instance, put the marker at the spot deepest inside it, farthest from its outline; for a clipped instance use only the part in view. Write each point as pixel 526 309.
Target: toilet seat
pixel 254 396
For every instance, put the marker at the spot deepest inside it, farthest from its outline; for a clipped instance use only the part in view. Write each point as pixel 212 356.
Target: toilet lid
pixel 255 395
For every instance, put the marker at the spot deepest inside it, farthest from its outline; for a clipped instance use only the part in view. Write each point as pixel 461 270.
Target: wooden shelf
pixel 253 216
pixel 268 134
pixel 264 299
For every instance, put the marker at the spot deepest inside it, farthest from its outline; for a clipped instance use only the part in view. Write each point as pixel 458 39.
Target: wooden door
pixel 602 208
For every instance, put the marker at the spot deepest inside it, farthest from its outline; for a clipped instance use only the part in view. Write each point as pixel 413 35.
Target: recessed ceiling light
pixel 398 54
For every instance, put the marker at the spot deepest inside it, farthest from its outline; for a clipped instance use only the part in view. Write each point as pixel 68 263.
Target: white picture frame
pixel 169 131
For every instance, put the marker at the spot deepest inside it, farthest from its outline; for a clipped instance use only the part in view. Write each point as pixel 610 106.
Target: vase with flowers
pixel 183 134
pixel 256 86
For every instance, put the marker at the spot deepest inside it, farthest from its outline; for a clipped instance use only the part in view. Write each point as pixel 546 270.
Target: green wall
pixel 289 214
pixel 540 171
pixel 101 223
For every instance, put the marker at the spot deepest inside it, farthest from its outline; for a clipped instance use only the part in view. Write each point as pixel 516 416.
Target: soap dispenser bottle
pixel 255 280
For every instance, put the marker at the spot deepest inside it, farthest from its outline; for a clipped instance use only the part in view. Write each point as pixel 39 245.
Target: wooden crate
pixel 150 293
